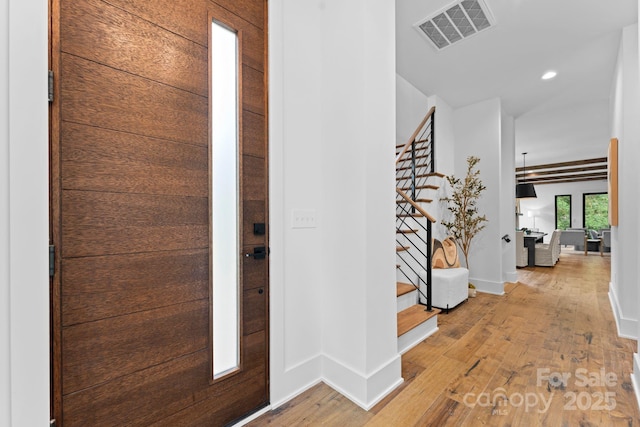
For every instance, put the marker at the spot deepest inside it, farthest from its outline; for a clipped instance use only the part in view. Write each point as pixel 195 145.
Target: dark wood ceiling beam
pixel 562 171
pixel 563 181
pixel 600 175
pixel 565 164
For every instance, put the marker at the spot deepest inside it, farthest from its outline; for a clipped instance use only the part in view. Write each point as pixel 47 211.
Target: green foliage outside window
pixel 563 212
pixel 596 211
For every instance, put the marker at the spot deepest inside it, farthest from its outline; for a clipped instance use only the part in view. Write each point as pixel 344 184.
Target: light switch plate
pixel 303 218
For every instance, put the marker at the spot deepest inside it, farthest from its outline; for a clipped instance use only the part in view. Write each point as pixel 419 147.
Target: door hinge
pixel 50 85
pixel 52 423
pixel 52 264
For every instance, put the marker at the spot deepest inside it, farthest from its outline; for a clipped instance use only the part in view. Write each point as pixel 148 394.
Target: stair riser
pixel 416 335
pixel 407 300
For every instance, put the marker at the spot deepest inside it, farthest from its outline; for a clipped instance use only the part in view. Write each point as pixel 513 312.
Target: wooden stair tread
pixel 402 248
pixel 422 187
pixel 404 288
pixel 419 147
pixel 408 159
pixel 425 175
pixel 407 231
pixel 414 316
pixel 420 141
pixel 416 200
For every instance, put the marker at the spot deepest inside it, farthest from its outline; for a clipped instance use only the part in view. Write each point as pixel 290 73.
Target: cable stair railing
pixel 414 166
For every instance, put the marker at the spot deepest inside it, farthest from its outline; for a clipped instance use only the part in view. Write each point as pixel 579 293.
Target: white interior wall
pixel 635 376
pixel 445 137
pixel 24 215
pixel 295 182
pixel 478 132
pixel 412 105
pixel 625 109
pixel 508 198
pixel 332 124
pixel 5 317
pixel 380 126
pixel 358 119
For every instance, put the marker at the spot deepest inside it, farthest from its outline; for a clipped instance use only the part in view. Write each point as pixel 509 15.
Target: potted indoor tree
pixel 465 222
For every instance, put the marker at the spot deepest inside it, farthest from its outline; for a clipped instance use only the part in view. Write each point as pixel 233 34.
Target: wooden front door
pixel 131 209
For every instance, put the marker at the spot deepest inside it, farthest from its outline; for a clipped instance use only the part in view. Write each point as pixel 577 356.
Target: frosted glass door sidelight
pixel 225 200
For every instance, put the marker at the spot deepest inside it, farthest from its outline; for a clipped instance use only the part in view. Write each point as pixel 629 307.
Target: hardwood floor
pixel 499 361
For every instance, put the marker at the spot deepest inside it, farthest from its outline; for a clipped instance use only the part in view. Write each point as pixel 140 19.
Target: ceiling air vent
pixel 456 22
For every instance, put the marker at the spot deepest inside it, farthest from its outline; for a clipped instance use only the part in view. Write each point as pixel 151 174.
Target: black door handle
pixel 259 252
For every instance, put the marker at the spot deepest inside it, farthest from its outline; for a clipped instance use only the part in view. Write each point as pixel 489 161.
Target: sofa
pixel 573 237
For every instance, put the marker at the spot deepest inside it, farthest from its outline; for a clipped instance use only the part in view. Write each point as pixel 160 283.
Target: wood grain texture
pixel 97 95
pixel 142 397
pixel 106 349
pixel 116 223
pixel 110 36
pixel 254 351
pixel 254 12
pixel 186 18
pixel 109 286
pixel 131 213
pixel 253 92
pixel 104 160
pixel 254 310
pixel 210 412
pixel 413 316
pixel 558 319
pixel 254 178
pixel 254 134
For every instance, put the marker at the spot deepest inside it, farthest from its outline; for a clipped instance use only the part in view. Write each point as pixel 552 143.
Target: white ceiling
pixel 566 118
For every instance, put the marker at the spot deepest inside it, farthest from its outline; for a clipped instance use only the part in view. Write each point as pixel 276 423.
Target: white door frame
pixel 24 214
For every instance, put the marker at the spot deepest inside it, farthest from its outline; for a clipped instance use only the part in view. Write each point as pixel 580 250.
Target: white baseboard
pixel 627 328
pixel 363 390
pixel 495 288
pixel 299 378
pixel 511 276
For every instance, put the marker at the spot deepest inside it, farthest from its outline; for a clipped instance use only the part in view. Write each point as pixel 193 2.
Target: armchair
pixel 522 252
pixel 606 241
pixel 547 254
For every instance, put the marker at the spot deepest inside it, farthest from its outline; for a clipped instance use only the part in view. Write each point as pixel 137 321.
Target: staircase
pixel 415 171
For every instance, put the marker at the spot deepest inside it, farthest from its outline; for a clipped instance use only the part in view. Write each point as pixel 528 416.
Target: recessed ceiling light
pixel 549 75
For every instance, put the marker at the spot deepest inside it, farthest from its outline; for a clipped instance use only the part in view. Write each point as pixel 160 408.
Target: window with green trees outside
pixel 563 212
pixel 595 212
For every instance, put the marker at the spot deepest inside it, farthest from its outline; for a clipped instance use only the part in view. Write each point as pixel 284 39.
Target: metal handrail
pixel 414 164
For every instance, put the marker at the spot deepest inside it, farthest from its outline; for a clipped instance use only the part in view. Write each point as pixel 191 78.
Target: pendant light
pixel 524 190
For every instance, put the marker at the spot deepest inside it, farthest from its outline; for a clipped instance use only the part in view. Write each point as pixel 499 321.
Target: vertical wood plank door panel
pixel 131 213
